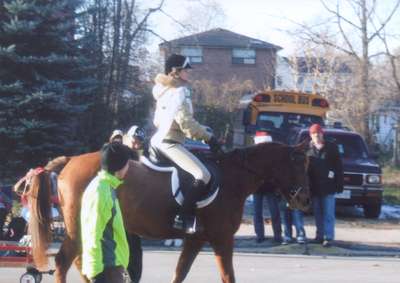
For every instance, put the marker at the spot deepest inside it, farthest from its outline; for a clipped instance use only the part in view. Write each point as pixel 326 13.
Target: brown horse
pixel 148 206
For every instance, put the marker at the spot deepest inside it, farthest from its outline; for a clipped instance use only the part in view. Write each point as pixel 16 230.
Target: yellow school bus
pixel 279 113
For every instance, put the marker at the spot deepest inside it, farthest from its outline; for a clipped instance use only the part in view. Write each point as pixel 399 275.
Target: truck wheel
pixel 372 210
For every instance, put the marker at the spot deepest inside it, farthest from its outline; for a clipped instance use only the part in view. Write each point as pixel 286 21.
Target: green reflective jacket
pixel 103 235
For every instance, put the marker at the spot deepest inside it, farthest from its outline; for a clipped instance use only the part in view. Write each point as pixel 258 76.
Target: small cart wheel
pixel 29 277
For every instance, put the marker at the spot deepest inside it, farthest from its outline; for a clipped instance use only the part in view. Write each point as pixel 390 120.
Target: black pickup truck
pixel 362 175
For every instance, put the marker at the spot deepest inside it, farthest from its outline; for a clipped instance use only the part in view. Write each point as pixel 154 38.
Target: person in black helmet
pixel 175 122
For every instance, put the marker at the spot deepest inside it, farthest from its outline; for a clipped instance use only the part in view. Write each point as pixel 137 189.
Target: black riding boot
pixel 186 219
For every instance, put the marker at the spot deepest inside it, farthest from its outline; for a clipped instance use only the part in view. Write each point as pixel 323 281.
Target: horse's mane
pixel 249 150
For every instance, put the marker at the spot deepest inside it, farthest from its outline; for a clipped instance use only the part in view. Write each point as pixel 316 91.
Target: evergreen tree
pixel 44 82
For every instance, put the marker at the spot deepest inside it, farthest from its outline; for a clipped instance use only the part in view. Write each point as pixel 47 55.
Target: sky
pixel 262 19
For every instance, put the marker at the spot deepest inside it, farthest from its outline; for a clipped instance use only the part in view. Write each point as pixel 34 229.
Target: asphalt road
pixel 257 268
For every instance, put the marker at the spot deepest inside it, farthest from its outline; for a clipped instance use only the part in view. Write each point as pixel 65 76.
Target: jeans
pixel 273 205
pixel 292 217
pixel 324 213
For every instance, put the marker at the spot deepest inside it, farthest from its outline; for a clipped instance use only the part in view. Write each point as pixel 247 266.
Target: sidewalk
pixel 354 235
pixel 384 236
pixel 354 241
pixel 350 242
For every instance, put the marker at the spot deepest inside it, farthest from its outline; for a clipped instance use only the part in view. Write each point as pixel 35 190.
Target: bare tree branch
pixel 339 18
pixel 144 20
pixel 392 60
pixel 155 34
pixel 316 38
pixel 385 22
pixel 372 10
pixel 173 19
pixel 338 15
pixel 376 55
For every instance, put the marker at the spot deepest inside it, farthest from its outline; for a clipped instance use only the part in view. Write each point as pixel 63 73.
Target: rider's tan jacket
pixel 174 112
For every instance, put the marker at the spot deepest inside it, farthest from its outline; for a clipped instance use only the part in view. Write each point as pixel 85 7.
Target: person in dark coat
pixel 266 190
pixel 326 179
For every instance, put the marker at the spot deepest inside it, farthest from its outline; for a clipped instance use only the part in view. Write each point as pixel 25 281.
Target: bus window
pixel 270 120
pixel 302 120
pixel 276 120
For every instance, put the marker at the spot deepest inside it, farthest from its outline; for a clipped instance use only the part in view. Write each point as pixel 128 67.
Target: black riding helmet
pixel 178 62
pixel 114 156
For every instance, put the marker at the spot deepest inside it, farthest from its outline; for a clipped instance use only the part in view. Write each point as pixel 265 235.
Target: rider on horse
pixel 175 122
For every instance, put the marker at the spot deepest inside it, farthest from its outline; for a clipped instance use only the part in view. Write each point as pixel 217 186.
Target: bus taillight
pixel 262 98
pixel 320 103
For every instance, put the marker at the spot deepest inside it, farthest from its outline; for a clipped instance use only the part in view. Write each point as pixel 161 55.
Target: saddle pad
pixel 175 183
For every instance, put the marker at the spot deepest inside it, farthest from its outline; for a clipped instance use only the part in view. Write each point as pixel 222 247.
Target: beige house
pixel 219 55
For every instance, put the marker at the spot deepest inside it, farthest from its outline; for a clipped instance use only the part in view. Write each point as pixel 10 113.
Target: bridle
pixel 294 192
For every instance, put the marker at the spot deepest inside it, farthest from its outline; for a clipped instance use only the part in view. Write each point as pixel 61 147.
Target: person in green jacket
pixel 105 250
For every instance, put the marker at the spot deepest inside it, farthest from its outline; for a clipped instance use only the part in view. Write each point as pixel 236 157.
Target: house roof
pixel 220 38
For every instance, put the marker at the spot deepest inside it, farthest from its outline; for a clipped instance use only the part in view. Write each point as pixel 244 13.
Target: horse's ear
pixel 303 146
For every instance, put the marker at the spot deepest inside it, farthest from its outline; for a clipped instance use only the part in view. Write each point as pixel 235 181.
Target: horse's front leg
pixel 223 250
pixel 191 249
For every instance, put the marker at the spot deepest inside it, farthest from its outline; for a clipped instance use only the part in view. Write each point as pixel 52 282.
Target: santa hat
pixel 261 137
pixel 316 128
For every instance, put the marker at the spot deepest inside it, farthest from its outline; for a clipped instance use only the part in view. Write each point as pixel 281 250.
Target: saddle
pixel 180 179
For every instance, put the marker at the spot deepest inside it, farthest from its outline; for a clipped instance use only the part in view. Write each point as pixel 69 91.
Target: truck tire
pixel 372 210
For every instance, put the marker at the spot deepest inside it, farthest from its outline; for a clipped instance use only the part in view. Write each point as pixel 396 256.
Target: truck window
pixel 350 146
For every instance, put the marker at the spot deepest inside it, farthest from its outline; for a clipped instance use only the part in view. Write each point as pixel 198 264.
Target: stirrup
pixel 178 223
pixel 191 225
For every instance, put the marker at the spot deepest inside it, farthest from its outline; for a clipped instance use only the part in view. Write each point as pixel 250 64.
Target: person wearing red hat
pixel 266 190
pixel 326 178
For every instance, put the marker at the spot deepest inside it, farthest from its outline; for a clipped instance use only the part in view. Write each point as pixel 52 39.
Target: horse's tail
pixel 57 164
pixel 40 219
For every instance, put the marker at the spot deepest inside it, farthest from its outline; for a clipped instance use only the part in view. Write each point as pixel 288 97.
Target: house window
pixel 300 80
pixel 195 54
pixel 243 56
pixel 279 81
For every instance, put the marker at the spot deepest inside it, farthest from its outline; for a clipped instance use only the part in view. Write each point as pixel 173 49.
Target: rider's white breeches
pixel 186 160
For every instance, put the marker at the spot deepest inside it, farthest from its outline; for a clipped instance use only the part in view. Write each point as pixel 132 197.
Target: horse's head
pixel 293 178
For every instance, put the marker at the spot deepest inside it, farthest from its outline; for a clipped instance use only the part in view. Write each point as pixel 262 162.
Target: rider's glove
pixel 215 146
